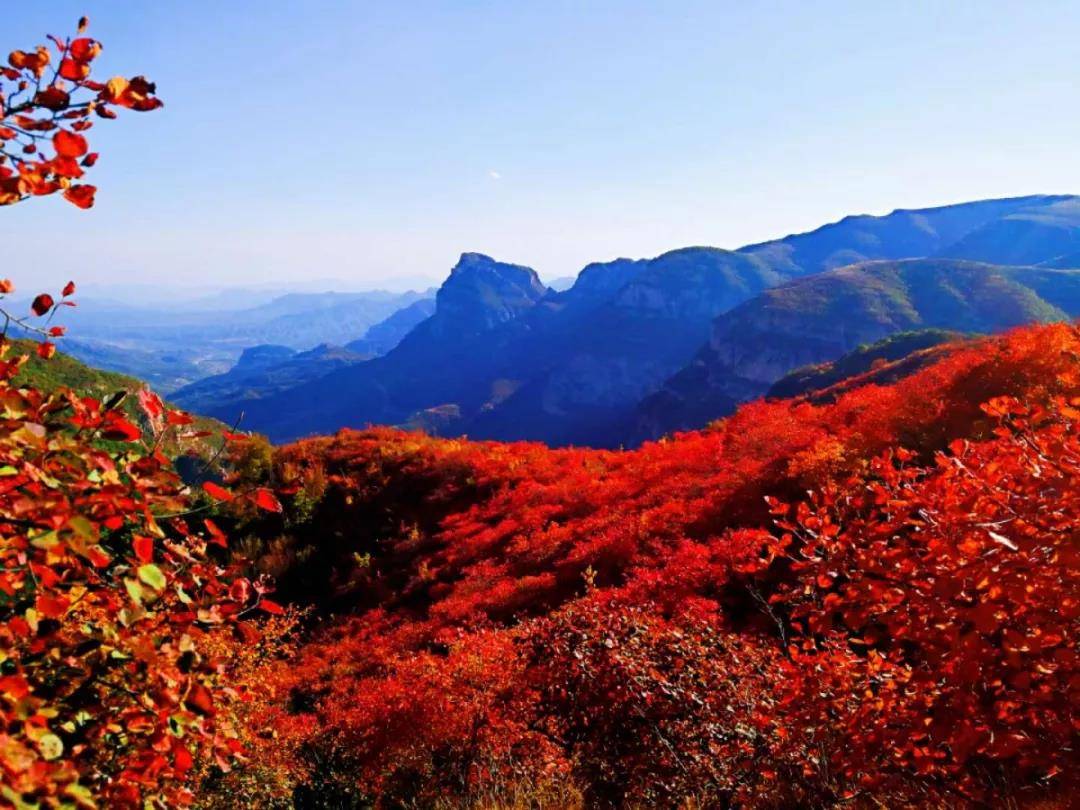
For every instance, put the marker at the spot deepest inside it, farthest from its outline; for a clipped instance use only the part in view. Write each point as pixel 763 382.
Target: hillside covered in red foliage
pixel 864 596
pixel 868 598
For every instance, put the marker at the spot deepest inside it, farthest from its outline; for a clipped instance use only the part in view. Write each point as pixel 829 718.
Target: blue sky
pixel 373 142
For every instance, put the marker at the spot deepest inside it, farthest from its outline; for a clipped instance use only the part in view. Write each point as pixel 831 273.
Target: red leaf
pixel 74 71
pixel 56 331
pixel 46 350
pixel 69 288
pixel 52 607
pixel 178 418
pixel 151 404
pixel 84 49
pixel 81 196
pixel 42 304
pixel 67 167
pixel 98 558
pixel 53 98
pixel 240 591
pixel 217 536
pixel 119 429
pixel 144 548
pixel 69 144
pixel 6 286
pixel 182 760
pixel 216 492
pixel 200 700
pixel 265 499
pixel 271 607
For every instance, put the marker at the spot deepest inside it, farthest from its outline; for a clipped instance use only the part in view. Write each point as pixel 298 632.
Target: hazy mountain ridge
pixel 504 357
pixel 174 347
pixel 518 360
pixel 267 369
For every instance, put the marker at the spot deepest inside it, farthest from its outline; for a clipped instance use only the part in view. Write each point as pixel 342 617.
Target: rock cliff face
pixel 482 293
pixel 624 328
pixel 822 317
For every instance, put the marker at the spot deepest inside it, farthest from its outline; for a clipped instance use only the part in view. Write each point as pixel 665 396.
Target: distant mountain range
pixel 174 346
pixel 636 348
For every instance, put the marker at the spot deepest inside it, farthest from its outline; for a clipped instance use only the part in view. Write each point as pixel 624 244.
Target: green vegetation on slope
pixel 64 371
pixel 861 360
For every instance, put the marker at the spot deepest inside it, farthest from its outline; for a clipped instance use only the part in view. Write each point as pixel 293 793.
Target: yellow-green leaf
pixel 51 746
pixel 152 576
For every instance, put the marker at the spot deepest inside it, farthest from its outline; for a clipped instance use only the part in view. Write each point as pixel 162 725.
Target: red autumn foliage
pixel 48 100
pixel 645 628
pixel 119 632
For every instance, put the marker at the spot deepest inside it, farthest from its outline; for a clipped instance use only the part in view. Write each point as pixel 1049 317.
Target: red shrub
pixel 905 635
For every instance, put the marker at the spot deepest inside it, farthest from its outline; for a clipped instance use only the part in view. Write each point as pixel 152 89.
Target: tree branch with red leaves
pixel 43 148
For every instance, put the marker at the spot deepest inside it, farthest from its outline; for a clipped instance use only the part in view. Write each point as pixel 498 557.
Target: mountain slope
pixel 388 333
pixel 264 371
pixel 868 357
pixel 64 371
pixel 1031 235
pixel 822 317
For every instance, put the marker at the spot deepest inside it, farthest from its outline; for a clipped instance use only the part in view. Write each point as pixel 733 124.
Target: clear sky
pixel 375 141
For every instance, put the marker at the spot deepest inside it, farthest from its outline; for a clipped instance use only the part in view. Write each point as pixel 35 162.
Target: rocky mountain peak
pixel 482 293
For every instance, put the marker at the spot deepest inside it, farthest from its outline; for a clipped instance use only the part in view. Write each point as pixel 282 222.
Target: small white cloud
pixel 494 175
